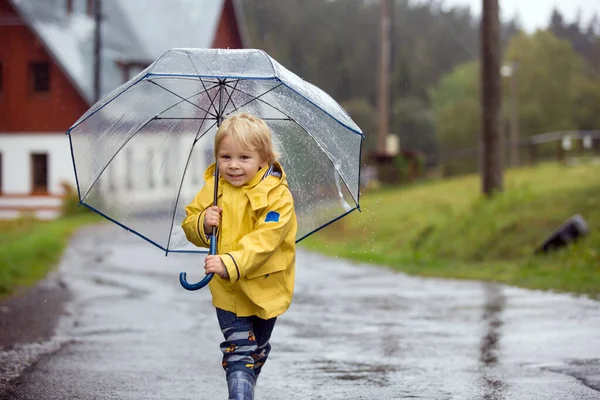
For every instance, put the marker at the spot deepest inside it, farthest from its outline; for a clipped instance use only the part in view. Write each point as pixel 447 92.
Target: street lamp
pixel 509 71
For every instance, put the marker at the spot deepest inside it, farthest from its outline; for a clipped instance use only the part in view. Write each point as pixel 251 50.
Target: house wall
pixel 17 197
pixel 17 171
pixel 21 110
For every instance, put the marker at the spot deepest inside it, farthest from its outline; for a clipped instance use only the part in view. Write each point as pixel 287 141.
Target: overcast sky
pixel 535 14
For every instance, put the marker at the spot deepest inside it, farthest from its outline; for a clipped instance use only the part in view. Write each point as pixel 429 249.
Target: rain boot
pixel 240 385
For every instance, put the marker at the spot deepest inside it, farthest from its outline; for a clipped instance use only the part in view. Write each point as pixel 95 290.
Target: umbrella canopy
pixel 139 154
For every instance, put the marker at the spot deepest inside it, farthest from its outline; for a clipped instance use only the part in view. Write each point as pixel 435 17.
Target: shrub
pixel 70 203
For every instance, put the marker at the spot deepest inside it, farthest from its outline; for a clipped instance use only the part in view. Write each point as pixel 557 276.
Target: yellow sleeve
pixel 193 223
pixel 273 225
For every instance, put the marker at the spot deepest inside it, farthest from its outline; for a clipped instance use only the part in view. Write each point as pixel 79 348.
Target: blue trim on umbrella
pixel 139 234
pixel 327 224
pixel 74 169
pixel 121 225
pixel 360 149
pixel 225 77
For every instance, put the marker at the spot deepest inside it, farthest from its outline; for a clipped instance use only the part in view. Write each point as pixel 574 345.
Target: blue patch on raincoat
pixel 272 216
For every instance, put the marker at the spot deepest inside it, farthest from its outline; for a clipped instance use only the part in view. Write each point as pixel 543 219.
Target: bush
pixel 70 203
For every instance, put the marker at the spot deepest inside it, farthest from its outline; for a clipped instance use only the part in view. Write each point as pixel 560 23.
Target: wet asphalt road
pixel 353 332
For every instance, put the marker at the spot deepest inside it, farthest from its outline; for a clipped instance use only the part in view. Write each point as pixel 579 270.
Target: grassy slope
pixel 30 248
pixel 446 229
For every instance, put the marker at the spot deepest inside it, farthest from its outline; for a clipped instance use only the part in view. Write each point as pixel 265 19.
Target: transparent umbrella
pixel 139 154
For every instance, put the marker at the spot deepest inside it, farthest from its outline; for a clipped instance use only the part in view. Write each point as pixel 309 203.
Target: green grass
pixel 30 248
pixel 447 229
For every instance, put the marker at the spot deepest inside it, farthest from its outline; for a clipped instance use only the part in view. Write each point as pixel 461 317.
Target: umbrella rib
pixel 187 118
pixel 182 98
pixel 113 157
pixel 292 119
pixel 258 98
pixel 142 127
pixel 200 60
pixel 231 95
pixel 278 119
pixel 187 98
pixel 328 157
pixel 181 185
pixel 212 101
pixel 204 133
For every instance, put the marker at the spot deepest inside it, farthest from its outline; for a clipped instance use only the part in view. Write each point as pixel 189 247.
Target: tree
pixel 582 39
pixel 456 108
pixel 363 113
pixel 553 93
pixel 414 123
pixel 548 71
pixel 587 104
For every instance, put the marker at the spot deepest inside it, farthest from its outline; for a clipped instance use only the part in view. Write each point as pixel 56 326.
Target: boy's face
pixel 236 164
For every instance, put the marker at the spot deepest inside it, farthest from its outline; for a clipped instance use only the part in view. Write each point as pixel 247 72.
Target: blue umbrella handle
pixel 207 278
pixel 213 239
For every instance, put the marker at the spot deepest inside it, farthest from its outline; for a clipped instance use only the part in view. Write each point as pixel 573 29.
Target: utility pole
pixel 384 75
pixel 491 162
pixel 97 48
pixel 514 118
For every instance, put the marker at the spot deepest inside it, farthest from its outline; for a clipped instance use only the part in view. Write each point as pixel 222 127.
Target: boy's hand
pixel 214 265
pixel 212 218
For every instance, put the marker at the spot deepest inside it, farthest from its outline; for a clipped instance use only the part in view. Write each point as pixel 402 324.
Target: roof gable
pixel 132 31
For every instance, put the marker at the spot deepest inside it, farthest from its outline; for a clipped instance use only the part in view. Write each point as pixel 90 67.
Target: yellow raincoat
pixel 256 241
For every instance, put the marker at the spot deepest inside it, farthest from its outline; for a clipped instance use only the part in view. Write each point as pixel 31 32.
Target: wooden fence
pixel 553 146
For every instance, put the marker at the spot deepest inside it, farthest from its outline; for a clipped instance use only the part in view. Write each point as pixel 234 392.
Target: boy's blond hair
pixel 252 133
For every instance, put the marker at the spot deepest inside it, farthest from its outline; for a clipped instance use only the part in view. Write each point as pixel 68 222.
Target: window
pixel 40 77
pixel 167 168
pixel 110 176
pixel 128 172
pixel 195 168
pixel 209 157
pixel 39 167
pixel 150 167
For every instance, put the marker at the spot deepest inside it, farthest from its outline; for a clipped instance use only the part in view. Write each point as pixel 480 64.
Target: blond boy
pixel 256 224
